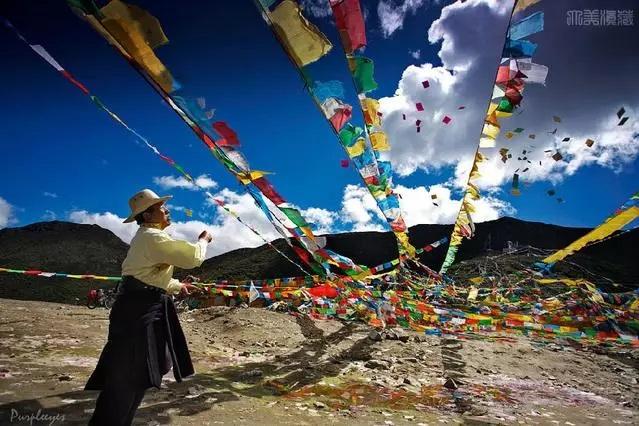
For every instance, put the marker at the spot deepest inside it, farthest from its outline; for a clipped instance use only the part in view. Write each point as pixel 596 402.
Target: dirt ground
pixel 260 367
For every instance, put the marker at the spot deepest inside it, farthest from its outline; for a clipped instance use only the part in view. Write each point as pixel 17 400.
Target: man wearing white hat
pixel 145 337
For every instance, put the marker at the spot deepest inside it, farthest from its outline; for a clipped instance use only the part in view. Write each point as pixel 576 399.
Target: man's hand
pixel 205 236
pixel 187 289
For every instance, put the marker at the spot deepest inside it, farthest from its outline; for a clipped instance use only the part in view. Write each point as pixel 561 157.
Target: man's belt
pixel 130 284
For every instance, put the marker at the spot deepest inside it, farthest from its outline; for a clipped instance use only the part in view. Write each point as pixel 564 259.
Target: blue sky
pixel 63 158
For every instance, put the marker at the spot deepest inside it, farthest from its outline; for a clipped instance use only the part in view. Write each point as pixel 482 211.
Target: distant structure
pixel 511 247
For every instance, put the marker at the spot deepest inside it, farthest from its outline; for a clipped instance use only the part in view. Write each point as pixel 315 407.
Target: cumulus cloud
pixel 171 182
pixel 360 211
pixel 7 214
pixel 107 220
pixel 392 13
pixel 469 55
pixel 50 194
pixel 322 221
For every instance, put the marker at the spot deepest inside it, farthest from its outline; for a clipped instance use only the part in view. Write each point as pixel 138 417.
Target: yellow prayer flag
pixel 600 232
pixel 302 40
pixel 491 130
pixel 379 141
pixel 138 33
pixel 371 107
pixel 357 149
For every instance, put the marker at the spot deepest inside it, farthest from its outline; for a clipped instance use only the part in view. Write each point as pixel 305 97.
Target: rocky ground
pixel 256 366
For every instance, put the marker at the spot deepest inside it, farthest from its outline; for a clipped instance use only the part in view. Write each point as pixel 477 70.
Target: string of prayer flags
pixel 154 149
pixel 350 24
pixel 304 42
pixel 627 213
pixel 368 148
pixel 225 151
pixel 507 95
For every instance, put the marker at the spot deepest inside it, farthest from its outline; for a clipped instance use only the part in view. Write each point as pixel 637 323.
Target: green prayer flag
pixel 349 134
pixel 362 69
pixel 295 216
pixel 505 106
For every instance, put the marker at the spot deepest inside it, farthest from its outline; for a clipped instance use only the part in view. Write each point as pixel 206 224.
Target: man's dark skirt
pixel 145 339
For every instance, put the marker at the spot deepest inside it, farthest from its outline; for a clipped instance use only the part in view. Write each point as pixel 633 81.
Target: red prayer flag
pixel 341 116
pixel 350 23
pixel 461 107
pixel 344 163
pixel 418 122
pixel 418 129
pixel 446 119
pixel 426 84
pixel 75 82
pixel 219 202
pixel 503 74
pixel 403 116
pixel 269 192
pixel 419 106
pixel 226 132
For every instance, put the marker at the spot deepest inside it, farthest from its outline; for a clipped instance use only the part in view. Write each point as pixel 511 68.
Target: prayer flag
pixel 419 106
pixel 227 133
pixel 304 42
pixel 350 23
pixel 362 69
pixel 529 25
pixel 446 119
pixel 426 84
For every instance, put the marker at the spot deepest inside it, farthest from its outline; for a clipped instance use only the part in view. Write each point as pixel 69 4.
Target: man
pixel 145 336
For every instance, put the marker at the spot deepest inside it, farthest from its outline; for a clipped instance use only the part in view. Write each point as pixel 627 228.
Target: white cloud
pixel 107 220
pixel 49 215
pixel 50 194
pixel 322 221
pixel 360 210
pixel 392 14
pixel 171 182
pixel 7 214
pixel 316 8
pixel 416 54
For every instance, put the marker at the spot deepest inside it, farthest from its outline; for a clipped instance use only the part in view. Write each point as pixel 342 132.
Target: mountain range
pixel 89 249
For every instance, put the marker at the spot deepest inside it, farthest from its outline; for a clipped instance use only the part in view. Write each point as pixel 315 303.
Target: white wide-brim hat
pixel 142 201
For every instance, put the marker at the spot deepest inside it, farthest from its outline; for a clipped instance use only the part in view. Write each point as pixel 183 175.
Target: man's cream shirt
pixel 153 254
